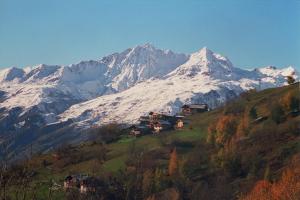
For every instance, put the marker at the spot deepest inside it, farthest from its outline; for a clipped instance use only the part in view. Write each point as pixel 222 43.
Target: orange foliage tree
pixel 290 101
pixel 243 126
pixel 225 128
pixel 287 188
pixel 211 129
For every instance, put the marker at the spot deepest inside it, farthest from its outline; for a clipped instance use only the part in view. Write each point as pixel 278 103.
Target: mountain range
pixel 44 105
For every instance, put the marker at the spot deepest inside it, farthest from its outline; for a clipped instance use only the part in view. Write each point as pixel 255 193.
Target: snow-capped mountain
pixel 119 87
pixel 206 77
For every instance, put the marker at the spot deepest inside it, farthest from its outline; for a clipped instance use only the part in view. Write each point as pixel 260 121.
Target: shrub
pixel 253 113
pixel 233 166
pixel 277 113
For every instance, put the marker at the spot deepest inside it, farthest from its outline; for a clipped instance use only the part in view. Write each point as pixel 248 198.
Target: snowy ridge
pixel 206 77
pixel 123 86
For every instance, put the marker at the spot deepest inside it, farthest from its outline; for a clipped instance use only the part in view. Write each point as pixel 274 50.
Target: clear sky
pixel 250 32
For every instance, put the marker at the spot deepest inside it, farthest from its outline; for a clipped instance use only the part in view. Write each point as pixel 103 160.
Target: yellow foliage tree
pixel 225 128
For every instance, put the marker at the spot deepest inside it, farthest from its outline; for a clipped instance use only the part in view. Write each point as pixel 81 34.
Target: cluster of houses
pixel 82 182
pixel 157 122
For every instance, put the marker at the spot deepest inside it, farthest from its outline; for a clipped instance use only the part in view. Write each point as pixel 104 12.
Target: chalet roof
pixel 68 178
pixel 76 177
pixel 200 106
pixel 141 127
pixel 144 118
pixel 167 115
pixel 164 122
pixel 91 182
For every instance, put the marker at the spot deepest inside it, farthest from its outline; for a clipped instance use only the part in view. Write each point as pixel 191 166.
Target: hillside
pixel 38 102
pixel 220 154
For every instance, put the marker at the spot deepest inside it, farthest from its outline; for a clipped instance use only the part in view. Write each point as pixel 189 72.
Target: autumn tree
pixel 225 128
pixel 287 188
pixel 173 163
pixel 211 136
pixel 290 102
pixel 290 80
pixel 241 130
pixel 261 191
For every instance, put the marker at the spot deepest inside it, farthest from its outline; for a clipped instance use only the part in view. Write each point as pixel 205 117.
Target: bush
pixel 277 113
pixel 233 166
pixel 253 113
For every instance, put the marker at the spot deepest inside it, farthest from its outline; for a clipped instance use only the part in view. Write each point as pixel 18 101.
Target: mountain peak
pixel 205 54
pixel 146 46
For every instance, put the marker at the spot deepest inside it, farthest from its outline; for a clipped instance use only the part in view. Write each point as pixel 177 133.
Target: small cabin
pixel 161 125
pixel 179 124
pixel 153 116
pixel 194 108
pixel 170 118
pixel 140 130
pixel 73 181
pixel 70 182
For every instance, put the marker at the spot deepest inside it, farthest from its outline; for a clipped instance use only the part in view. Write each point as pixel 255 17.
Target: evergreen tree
pixel 290 80
pixel 277 113
pixel 253 113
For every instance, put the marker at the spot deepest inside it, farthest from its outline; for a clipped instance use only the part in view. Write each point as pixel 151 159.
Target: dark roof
pixel 200 106
pixel 164 122
pixel 141 127
pixel 68 178
pixel 92 182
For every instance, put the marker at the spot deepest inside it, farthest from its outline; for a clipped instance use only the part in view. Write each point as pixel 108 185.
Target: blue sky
pixel 249 32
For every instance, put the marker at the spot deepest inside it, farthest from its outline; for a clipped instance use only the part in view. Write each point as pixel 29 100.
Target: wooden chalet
pixel 73 181
pixel 161 125
pixel 194 108
pixel 179 124
pixel 139 130
pixel 153 116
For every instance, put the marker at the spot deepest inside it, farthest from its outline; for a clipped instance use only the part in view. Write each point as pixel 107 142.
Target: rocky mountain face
pixel 40 105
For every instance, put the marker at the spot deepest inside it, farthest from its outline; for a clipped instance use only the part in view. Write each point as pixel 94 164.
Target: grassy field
pixel 119 151
pixel 116 156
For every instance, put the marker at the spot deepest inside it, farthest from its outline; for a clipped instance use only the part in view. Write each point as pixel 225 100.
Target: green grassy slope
pixel 190 143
